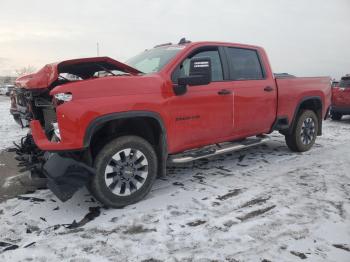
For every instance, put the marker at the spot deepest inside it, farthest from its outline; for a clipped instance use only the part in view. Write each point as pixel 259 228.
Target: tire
pixel 304 132
pixel 126 168
pixel 336 116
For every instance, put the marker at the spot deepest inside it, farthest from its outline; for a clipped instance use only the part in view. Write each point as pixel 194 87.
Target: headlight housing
pixel 63 97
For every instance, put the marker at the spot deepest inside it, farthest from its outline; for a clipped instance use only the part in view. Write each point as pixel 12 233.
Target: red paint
pixel 248 111
pixel 341 95
pixel 49 73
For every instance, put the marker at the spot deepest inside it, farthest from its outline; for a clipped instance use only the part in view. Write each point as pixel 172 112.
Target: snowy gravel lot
pixel 261 204
pixel 9 130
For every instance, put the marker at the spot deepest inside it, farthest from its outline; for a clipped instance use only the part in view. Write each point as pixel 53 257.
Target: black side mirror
pixel 200 74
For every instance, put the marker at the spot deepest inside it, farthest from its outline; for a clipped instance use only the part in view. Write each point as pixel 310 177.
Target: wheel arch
pixel 146 124
pixel 313 103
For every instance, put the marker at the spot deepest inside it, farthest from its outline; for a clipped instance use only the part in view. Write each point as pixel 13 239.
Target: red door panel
pixel 254 106
pixel 201 116
pixel 254 89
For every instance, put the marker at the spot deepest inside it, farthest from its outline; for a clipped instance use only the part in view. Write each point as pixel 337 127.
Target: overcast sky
pixel 302 37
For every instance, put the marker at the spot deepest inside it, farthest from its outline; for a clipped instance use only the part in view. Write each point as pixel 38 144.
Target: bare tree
pixel 25 70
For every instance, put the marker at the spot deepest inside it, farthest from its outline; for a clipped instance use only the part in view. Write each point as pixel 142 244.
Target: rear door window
pixel 244 64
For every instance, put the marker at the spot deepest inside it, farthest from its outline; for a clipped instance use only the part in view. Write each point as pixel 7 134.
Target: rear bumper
pixel 341 110
pixel 44 144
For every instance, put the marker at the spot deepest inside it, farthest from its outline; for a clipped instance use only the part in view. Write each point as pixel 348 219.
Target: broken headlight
pixel 63 97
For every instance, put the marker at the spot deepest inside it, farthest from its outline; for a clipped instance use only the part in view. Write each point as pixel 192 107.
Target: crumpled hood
pixel 84 68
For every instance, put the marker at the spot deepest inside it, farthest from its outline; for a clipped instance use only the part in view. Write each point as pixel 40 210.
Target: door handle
pixel 223 92
pixel 268 89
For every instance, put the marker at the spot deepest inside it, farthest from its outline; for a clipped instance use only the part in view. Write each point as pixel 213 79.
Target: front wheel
pixel 125 171
pixel 304 132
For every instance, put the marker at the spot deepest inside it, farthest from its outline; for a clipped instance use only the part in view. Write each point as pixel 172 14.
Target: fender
pixel 298 108
pixel 163 150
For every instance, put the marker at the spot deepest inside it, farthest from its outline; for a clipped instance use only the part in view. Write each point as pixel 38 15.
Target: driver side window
pixel 183 69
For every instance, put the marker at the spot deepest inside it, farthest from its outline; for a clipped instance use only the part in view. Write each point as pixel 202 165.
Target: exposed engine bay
pixel 65 172
pixel 71 173
pixel 35 105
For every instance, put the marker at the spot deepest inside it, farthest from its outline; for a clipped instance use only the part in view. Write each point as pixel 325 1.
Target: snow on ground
pixel 9 130
pixel 261 204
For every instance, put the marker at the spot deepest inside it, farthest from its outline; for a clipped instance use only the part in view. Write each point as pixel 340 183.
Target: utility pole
pixel 98 49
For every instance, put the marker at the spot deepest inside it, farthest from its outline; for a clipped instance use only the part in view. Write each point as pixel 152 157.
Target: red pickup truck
pixel 114 126
pixel 341 98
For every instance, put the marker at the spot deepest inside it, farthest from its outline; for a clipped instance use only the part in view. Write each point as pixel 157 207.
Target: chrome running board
pixel 217 149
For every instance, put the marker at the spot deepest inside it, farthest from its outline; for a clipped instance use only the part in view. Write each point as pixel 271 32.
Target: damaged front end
pixel 33 105
pixel 61 173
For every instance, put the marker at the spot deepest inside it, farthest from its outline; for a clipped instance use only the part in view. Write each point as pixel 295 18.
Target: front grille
pixel 36 105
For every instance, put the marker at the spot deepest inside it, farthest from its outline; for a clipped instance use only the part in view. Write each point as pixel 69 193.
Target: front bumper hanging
pixel 64 175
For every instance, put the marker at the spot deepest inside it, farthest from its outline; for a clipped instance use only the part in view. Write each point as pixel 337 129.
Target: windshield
pixel 153 60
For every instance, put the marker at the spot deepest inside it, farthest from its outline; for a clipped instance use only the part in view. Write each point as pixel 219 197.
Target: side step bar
pixel 217 149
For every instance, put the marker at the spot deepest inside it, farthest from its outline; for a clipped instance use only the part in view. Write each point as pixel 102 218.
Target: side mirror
pixel 200 74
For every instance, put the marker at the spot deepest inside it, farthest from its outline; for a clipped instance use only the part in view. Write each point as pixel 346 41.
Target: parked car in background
pixel 283 75
pixel 341 98
pixel 6 89
pixel 3 90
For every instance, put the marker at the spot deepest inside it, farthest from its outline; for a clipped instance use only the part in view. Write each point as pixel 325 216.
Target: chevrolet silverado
pixel 114 126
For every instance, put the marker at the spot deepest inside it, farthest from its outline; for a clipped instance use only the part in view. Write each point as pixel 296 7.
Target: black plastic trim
pixel 298 108
pixel 224 63
pixel 278 124
pixel 121 115
pixel 163 150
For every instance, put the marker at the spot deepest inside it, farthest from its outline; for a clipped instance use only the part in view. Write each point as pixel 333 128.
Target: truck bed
pixel 292 91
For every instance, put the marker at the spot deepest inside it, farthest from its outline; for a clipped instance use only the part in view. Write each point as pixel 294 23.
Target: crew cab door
pixel 203 114
pixel 254 92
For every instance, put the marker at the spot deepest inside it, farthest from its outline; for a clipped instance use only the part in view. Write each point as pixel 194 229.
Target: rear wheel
pixel 125 171
pixel 304 133
pixel 336 116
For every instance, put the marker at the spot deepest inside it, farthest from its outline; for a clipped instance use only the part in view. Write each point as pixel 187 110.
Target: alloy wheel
pixel 307 132
pixel 126 172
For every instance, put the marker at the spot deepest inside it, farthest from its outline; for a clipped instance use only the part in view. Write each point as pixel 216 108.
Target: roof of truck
pixel 206 43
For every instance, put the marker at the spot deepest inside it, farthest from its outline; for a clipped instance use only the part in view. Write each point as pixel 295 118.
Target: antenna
pixel 98 49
